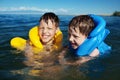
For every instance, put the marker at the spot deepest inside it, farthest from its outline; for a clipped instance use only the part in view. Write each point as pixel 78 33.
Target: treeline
pixel 116 13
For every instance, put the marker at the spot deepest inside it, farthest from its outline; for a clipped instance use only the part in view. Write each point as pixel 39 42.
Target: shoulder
pixel 94 53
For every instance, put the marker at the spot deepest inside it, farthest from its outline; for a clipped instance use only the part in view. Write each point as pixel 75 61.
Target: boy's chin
pixel 45 41
pixel 74 47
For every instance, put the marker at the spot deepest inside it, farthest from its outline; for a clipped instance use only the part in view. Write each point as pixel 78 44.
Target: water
pixel 12 68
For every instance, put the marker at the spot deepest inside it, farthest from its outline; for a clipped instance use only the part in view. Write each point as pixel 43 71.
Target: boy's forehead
pixel 48 22
pixel 74 30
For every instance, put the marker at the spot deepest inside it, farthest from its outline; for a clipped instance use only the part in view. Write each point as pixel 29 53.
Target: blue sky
pixel 71 7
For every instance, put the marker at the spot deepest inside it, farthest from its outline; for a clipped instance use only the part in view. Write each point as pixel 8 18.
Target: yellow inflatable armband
pixel 58 39
pixel 34 37
pixel 18 43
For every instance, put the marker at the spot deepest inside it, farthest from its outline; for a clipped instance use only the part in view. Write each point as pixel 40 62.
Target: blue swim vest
pixel 95 39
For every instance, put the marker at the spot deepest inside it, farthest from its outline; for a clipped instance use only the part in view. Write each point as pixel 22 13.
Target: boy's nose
pixel 70 38
pixel 45 30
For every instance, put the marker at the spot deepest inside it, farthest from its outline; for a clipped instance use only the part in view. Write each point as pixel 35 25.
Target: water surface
pixel 12 68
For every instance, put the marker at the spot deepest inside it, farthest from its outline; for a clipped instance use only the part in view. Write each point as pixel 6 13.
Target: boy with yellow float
pixel 46 37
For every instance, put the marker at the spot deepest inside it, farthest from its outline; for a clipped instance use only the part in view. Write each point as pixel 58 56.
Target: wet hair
pixel 84 23
pixel 53 17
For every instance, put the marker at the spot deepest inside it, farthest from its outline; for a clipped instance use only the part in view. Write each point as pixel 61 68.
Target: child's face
pixel 75 37
pixel 47 31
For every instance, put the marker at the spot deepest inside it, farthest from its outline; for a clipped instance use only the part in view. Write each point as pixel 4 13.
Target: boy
pixel 50 36
pixel 80 28
pixel 44 38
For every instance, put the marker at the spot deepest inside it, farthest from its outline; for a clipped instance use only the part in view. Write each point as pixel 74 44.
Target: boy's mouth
pixel 45 36
pixel 73 44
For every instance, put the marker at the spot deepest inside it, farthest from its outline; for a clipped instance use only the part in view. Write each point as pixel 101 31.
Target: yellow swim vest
pixel 20 43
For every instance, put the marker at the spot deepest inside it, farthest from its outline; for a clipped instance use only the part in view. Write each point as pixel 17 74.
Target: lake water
pixel 12 68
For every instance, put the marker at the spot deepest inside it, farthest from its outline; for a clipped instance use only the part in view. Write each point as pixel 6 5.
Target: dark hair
pixel 84 22
pixel 54 18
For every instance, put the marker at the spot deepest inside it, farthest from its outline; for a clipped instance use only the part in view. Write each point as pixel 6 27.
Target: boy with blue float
pixel 86 37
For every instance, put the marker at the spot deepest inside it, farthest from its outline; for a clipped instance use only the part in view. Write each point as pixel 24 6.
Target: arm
pixel 28 54
pixel 95 53
pixel 70 61
pixel 79 60
pixel 28 49
pixel 61 57
pixel 85 59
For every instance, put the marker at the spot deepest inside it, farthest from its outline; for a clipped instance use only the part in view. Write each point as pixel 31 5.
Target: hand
pixel 61 60
pixel 83 60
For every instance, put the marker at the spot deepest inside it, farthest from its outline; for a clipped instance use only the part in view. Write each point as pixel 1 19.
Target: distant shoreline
pixel 116 13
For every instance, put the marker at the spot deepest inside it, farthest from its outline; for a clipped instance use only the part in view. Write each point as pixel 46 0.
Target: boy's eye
pixel 50 28
pixel 69 34
pixel 76 36
pixel 41 27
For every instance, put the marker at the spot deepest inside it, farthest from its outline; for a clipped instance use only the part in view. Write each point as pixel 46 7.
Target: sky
pixel 70 7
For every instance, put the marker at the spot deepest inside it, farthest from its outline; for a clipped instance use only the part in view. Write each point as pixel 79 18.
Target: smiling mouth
pixel 45 36
pixel 72 44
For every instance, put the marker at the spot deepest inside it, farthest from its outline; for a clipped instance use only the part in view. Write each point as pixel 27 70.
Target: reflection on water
pixel 47 71
pixel 39 72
